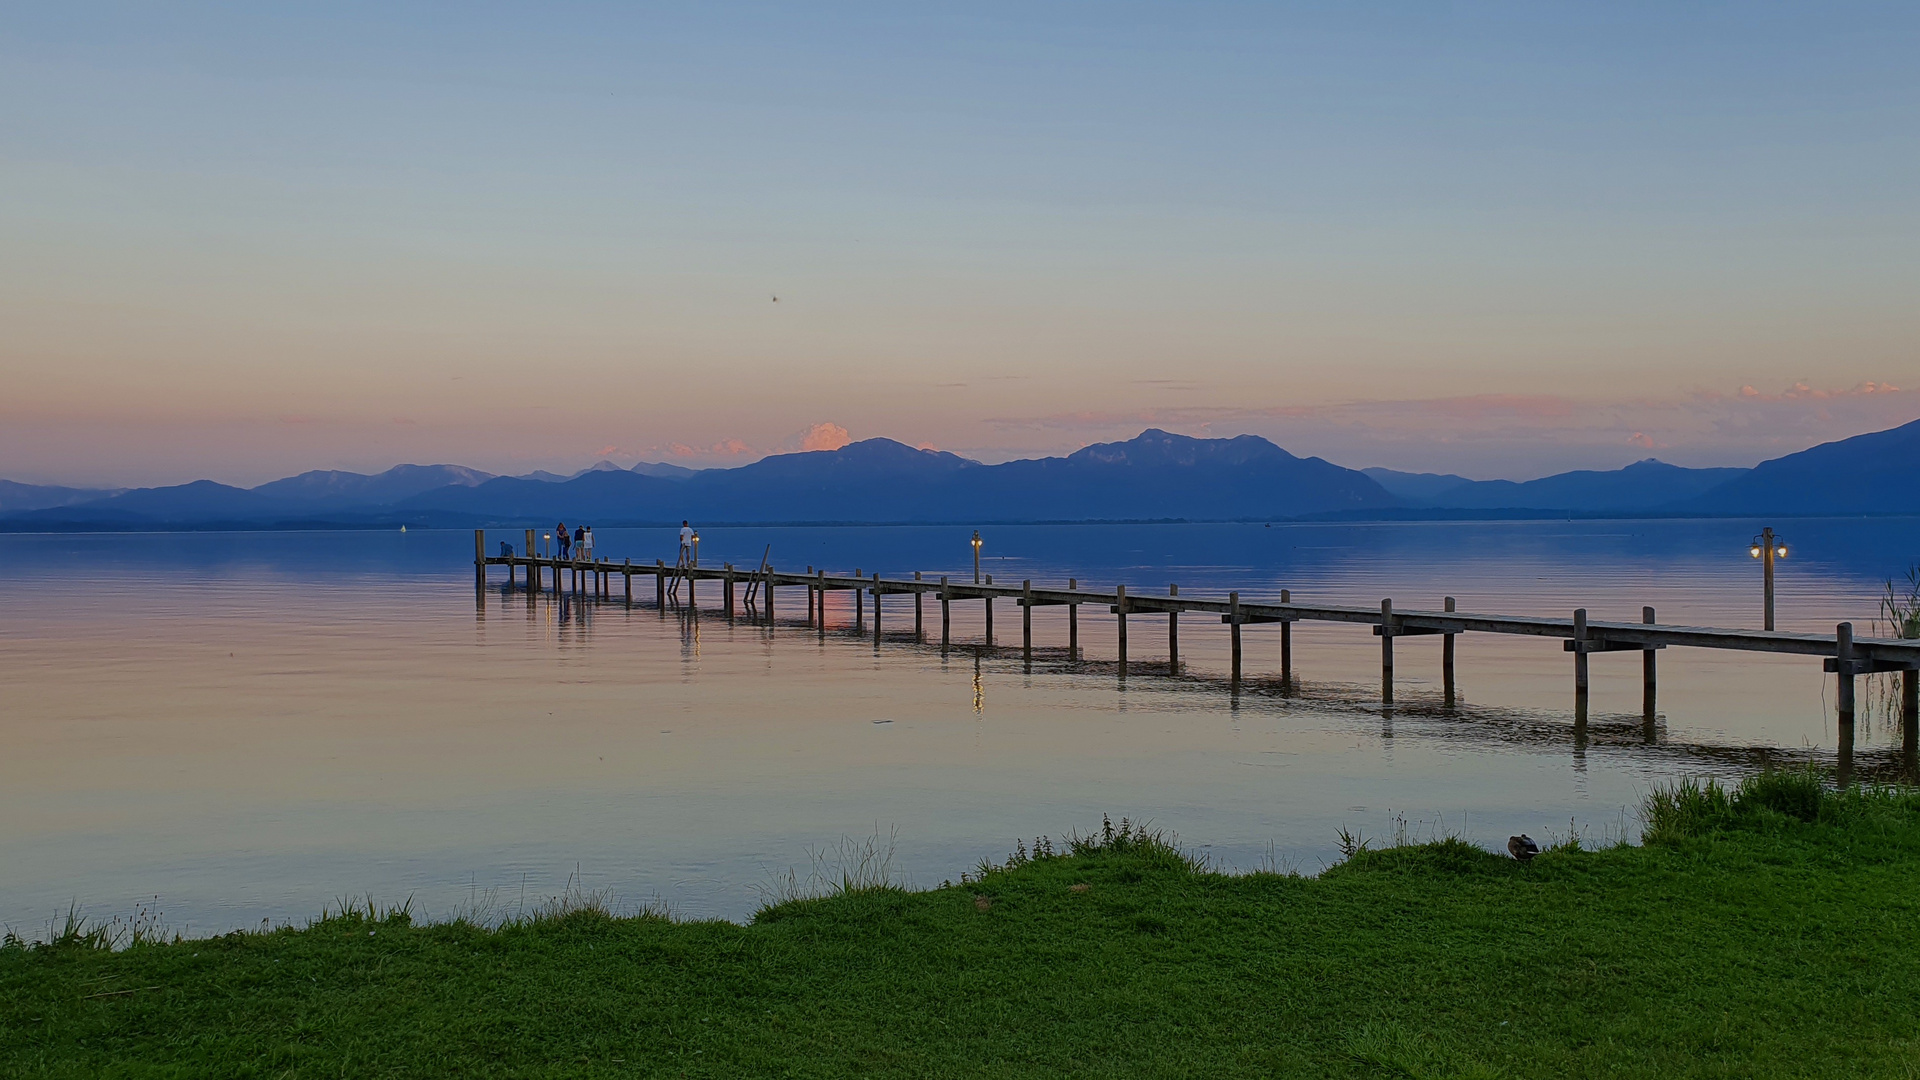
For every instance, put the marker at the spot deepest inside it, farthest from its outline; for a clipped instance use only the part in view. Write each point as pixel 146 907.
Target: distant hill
pixel 1161 475
pixel 19 498
pixel 202 501
pixel 1157 475
pixel 1642 486
pixel 1877 473
pixel 334 488
pixel 663 470
pixel 597 495
pixel 1417 489
pixel 1154 476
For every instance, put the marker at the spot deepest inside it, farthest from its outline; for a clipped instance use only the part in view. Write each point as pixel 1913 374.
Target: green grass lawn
pixel 1772 931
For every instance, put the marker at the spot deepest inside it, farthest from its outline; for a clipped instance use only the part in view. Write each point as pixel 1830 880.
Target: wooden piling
pixel 876 610
pixel 1910 724
pixel 1073 622
pixel 1446 660
pixel 820 604
pixel 989 617
pixel 1026 620
pixel 726 588
pixel 769 592
pixel 1649 673
pixel 480 557
pixel 1843 699
pixel 1286 644
pixel 946 616
pixel 1120 609
pixel 660 585
pixel 1386 652
pixel 859 605
pixel 1580 681
pixel 919 622
pixel 1233 623
pixel 1173 635
pixel 626 572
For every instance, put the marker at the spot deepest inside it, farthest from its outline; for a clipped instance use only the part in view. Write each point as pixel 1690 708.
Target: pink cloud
pixel 825 435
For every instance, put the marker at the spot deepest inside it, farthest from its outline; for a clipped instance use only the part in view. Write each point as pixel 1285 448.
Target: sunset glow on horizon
pixel 1487 239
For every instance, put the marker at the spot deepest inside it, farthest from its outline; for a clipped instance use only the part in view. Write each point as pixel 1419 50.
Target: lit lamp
pixel 976 556
pixel 1767 547
pixel 546 542
pixel 696 549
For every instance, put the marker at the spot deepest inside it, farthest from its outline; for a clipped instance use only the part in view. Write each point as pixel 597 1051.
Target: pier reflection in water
pixel 253 725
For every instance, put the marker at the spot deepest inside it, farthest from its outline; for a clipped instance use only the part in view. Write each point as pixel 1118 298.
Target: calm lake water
pixel 238 727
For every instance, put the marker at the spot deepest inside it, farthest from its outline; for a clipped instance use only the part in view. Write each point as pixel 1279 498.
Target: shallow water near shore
pixel 231 727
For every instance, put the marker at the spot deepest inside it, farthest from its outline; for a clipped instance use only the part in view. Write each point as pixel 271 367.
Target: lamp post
pixel 696 550
pixel 976 556
pixel 546 543
pixel 1767 547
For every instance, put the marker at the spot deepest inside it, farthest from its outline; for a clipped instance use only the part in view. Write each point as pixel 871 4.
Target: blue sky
pixel 1495 239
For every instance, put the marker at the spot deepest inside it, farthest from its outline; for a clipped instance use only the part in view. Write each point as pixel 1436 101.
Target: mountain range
pixel 1154 476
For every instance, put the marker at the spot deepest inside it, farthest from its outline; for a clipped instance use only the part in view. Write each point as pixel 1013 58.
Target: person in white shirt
pixel 686 543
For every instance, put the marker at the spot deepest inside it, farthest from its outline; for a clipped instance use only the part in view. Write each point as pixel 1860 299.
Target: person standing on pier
pixel 579 541
pixel 564 538
pixel 586 544
pixel 686 543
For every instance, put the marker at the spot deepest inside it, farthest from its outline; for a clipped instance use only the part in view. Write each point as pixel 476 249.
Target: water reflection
pixel 979 687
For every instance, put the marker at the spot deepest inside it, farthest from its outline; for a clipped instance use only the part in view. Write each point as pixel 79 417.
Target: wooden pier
pixel 1843 654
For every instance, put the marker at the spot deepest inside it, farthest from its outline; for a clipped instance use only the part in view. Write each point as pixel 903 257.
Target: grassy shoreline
pixel 1773 930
